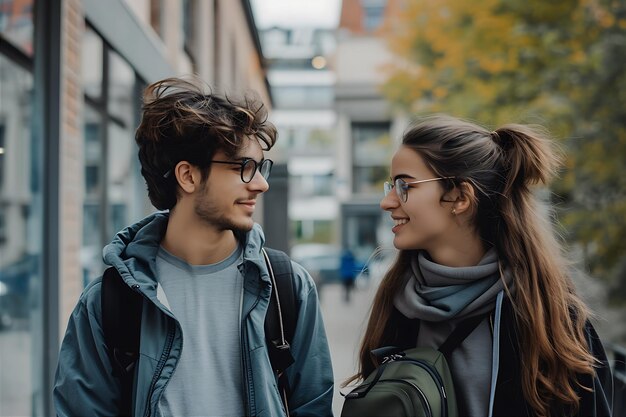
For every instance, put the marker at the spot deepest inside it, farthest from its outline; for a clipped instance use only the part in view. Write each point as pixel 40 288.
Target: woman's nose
pixel 390 201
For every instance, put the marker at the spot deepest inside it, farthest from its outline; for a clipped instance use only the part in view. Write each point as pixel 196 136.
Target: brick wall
pixel 71 176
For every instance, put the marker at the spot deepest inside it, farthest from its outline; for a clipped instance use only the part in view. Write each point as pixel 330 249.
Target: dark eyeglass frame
pixel 264 167
pixel 402 186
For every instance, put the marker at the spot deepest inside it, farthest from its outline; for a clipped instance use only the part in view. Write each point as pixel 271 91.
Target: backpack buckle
pixel 384 354
pixel 393 357
pixel 280 355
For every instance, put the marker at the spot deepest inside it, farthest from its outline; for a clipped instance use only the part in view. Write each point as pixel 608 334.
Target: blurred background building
pixel 366 122
pixel 302 87
pixel 335 129
pixel 71 77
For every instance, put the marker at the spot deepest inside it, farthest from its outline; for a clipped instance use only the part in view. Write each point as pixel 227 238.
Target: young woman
pixel 473 240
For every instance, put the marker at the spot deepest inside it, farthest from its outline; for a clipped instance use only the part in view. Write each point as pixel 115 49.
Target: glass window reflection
pixel 121 89
pixel 303 96
pixel 120 177
pixel 92 57
pixel 371 154
pixel 20 243
pixel 92 212
pixel 111 168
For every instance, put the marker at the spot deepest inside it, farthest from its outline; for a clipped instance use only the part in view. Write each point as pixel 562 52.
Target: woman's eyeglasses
pixel 402 187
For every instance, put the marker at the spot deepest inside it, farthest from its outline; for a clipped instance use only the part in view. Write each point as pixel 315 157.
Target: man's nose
pixel 259 183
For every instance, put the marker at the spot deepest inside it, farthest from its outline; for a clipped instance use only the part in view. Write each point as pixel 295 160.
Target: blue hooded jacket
pixel 84 383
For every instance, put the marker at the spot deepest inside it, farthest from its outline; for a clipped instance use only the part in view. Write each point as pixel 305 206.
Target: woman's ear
pixel 187 176
pixel 465 198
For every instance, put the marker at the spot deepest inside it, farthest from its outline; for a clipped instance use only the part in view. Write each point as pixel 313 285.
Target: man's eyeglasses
pixel 250 166
pixel 402 187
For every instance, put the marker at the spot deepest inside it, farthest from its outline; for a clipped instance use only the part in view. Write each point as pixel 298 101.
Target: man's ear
pixel 187 176
pixel 465 198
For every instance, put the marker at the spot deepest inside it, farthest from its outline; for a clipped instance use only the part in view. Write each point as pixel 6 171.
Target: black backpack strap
pixel 459 334
pixel 280 321
pixel 121 324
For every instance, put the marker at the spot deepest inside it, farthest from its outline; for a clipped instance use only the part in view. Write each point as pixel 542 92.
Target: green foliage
pixel 315 231
pixel 558 63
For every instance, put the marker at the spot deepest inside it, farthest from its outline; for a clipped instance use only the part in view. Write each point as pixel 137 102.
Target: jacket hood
pixel 133 251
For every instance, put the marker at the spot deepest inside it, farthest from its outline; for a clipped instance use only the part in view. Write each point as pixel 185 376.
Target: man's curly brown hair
pixel 180 122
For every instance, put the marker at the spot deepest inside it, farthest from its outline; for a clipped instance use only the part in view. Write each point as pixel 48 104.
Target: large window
pixel 373 13
pixel 16 24
pixel 94 191
pixel 361 234
pixel 312 185
pixel 20 237
pixel 371 156
pixel 306 138
pixel 112 179
pixel 316 97
pixel 312 231
pixel 360 228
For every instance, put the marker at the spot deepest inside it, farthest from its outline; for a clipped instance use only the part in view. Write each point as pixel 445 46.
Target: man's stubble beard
pixel 209 213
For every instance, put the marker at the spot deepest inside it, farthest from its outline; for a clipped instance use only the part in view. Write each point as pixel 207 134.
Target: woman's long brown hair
pixel 502 166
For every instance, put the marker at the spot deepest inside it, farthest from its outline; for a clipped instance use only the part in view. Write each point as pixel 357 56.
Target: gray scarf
pixel 438 293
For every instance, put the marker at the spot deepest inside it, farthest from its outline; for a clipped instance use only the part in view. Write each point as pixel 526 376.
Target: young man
pixel 203 277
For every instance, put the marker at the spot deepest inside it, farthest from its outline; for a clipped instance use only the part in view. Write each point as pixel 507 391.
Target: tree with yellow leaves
pixel 558 63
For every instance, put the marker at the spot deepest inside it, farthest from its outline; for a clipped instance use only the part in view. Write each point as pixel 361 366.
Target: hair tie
pixel 495 136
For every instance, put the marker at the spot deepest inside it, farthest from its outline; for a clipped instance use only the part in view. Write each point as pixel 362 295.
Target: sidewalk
pixel 345 324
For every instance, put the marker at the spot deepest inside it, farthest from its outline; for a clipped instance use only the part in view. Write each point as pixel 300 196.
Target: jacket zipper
pixel 244 372
pixel 166 353
pixel 423 399
pixel 244 357
pixel 157 374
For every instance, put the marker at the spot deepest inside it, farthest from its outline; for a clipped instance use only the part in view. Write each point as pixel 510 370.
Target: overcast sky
pixel 293 13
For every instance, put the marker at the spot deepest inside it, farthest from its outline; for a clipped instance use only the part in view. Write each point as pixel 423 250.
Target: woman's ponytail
pixel 549 315
pixel 530 157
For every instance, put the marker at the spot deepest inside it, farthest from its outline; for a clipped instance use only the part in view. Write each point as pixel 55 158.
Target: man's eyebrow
pixel 247 158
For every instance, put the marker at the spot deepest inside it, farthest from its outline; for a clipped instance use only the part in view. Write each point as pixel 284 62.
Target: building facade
pixel 369 128
pixel 71 78
pixel 302 84
pixel 338 132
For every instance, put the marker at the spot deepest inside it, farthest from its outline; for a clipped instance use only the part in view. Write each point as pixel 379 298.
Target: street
pixel 15 372
pixel 345 324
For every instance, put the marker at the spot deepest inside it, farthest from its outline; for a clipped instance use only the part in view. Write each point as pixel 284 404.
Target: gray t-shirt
pixel 206 300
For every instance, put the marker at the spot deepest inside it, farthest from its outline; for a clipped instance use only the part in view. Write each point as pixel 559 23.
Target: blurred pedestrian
pixel 473 242
pixel 200 269
pixel 348 272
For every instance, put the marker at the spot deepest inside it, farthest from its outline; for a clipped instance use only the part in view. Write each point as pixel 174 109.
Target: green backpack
pixel 415 382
